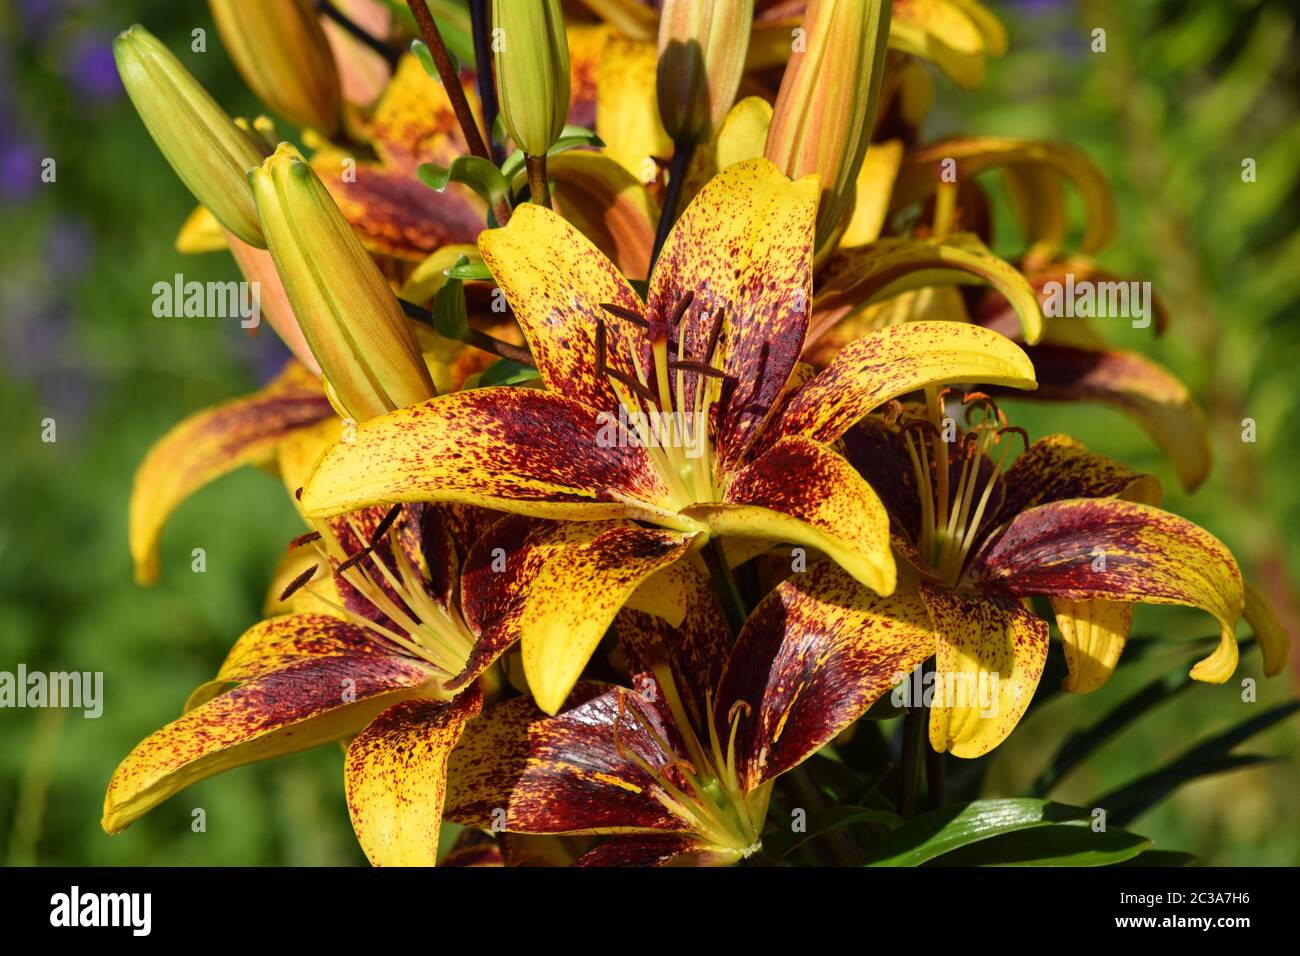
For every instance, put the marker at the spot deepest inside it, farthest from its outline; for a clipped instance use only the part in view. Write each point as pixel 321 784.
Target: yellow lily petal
pixel 945 33
pixel 834 649
pixel 590 572
pixel 519 450
pixel 609 205
pixel 745 244
pixel 556 280
pixel 990 657
pixel 1093 634
pixel 200 233
pixel 742 135
pixel 305 681
pixel 830 508
pixel 855 278
pixel 917 178
pixel 1274 641
pixel 894 361
pixel 874 186
pixel 211 443
pixel 1083 548
pixel 396 778
pixel 627 107
pixel 1133 384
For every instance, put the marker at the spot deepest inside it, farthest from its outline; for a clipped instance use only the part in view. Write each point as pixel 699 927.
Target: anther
pixel 353 561
pixel 893 412
pixel 1014 429
pixel 733 713
pixel 680 308
pixel 302 539
pixel 384 525
pixel 298 582
pixel 625 313
pixel 700 367
pixel 714 333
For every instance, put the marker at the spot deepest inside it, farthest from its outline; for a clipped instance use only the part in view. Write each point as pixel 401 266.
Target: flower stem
pixel 538 188
pixel 914 722
pixel 724 585
pixel 481 18
pixel 682 153
pixel 450 79
pixel 388 52
pixel 474 337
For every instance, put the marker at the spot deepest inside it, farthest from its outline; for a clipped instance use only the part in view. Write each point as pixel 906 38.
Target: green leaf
pixel 1052 844
pixel 473 171
pixel 1160 858
pixel 470 272
pixel 1082 743
pixel 941 831
pixel 507 372
pixel 421 51
pixel 826 821
pixel 1210 757
pixel 450 317
pixel 573 137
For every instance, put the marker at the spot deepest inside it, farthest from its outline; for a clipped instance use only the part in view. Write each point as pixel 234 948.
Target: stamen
pixel 302 539
pixel 679 310
pixel 297 583
pixel 1007 429
pixel 893 412
pixel 624 313
pixel 714 333
pixel 353 561
pixel 699 367
pixel 387 522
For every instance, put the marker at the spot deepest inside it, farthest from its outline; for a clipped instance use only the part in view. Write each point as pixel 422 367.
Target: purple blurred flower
pixel 20 168
pixel 91 69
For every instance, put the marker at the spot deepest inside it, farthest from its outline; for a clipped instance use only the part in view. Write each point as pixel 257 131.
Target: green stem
pixel 538 188
pixel 910 758
pixel 682 153
pixel 724 585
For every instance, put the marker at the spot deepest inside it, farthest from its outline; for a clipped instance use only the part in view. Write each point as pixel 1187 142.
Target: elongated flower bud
pixel 282 53
pixel 209 153
pixel 348 313
pixel 702 47
pixel 532 63
pixel 826 108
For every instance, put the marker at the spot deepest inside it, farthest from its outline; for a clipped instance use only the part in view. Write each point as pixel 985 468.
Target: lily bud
pixel 209 153
pixel 282 53
pixel 344 306
pixel 532 64
pixel 822 122
pixel 702 47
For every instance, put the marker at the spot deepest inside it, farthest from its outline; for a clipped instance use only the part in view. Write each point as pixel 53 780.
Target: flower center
pixel 408 615
pixel 667 405
pixel 708 795
pixel 951 515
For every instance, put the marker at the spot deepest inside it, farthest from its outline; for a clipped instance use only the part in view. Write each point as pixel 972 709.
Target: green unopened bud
pixel 532 64
pixel 209 153
pixel 347 311
pixel 282 53
pixel 826 108
pixel 702 47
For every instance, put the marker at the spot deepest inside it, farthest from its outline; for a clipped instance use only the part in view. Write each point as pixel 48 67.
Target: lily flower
pixel 684 412
pixel 395 624
pixel 679 767
pixel 979 538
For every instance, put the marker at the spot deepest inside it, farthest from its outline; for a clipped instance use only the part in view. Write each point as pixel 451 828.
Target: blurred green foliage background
pixel 1184 91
